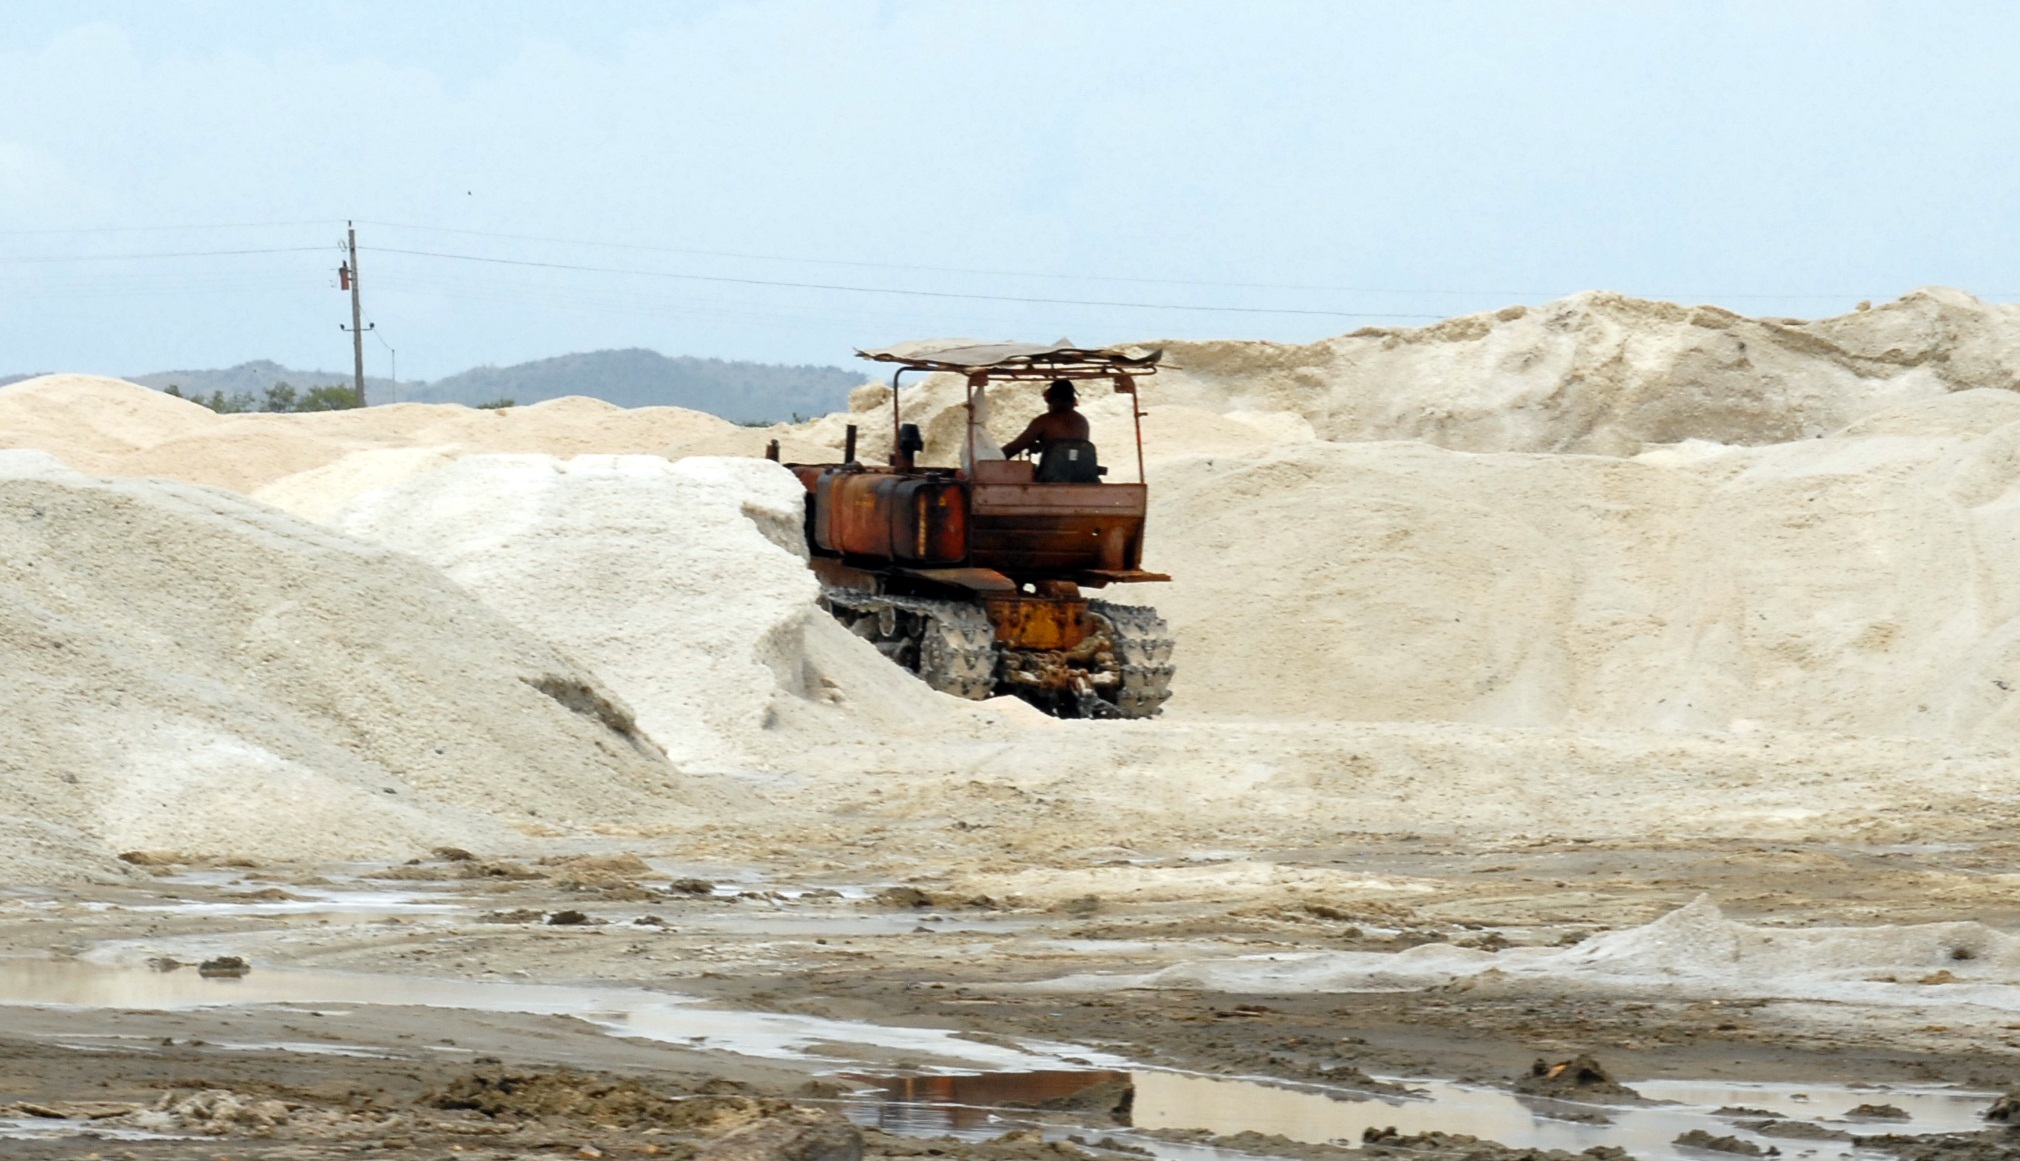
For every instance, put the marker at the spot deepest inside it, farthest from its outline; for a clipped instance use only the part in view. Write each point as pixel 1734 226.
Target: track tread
pixel 949 645
pixel 1143 646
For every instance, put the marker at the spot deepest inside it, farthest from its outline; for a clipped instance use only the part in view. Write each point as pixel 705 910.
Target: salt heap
pixel 1694 951
pixel 1528 564
pixel 1600 514
pixel 1608 374
pixel 112 427
pixel 193 672
pixel 1595 373
pixel 683 584
pixel 1859 583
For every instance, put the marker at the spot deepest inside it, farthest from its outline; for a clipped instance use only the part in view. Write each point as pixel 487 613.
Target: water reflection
pixel 986 1105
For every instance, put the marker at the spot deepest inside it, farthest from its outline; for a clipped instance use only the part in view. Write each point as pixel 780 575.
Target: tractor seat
pixel 1069 461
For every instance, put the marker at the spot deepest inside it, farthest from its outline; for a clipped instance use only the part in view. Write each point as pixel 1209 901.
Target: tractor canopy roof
pixel 1060 360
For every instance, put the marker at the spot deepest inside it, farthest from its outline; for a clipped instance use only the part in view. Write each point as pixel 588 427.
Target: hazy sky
pixel 1358 162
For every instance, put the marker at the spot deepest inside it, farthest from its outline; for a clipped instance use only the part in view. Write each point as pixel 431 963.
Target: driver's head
pixel 1061 394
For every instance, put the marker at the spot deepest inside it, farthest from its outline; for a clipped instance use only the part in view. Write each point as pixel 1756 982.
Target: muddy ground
pixel 902 942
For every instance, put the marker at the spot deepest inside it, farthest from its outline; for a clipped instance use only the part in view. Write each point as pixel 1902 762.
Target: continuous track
pixel 951 646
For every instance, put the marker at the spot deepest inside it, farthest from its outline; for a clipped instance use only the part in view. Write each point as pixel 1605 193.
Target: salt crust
pixel 1694 951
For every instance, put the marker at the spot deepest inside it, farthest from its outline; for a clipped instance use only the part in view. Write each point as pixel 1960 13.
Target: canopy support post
pixel 1124 385
pixel 897 428
pixel 978 381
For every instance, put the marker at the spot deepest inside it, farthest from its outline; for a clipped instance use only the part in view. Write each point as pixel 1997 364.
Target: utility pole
pixel 348 276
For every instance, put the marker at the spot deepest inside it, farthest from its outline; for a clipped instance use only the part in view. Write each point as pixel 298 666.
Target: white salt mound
pixel 190 671
pixel 1608 374
pixel 1694 950
pixel 682 584
pixel 1860 583
pixel 1596 373
pixel 1562 567
pixel 112 427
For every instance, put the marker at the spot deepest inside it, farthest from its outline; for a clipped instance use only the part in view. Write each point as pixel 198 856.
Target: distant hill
pixel 255 377
pixel 744 392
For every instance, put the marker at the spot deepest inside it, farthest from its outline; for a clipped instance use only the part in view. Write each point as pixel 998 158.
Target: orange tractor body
pixel 972 577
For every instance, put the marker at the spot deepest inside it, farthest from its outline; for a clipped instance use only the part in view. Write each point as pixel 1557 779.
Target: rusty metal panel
pixel 906 518
pixel 834 572
pixel 1004 472
pixel 1122 576
pixel 1038 622
pixel 1061 529
pixel 978 580
pixel 931 521
pixel 1058 499
pixel 1062 547
pixel 846 517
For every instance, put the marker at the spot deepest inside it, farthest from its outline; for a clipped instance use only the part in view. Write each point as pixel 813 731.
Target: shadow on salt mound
pixel 1962 414
pixel 241 457
pixel 1695 949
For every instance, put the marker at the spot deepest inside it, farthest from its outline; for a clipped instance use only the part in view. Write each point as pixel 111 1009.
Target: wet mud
pixel 440 1009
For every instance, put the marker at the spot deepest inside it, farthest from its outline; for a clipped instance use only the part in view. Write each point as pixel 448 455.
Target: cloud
pixel 34 185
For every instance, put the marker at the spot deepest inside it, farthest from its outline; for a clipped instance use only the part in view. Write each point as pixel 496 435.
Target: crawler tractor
pixel 972 577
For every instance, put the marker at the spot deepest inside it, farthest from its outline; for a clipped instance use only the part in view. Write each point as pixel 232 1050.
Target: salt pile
pixel 1609 374
pixel 191 671
pixel 683 584
pixel 1539 568
pixel 1859 583
pixel 111 427
pixel 1594 373
pixel 1798 526
pixel 1694 951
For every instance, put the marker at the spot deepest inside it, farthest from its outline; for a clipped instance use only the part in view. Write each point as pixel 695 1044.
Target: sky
pixel 787 180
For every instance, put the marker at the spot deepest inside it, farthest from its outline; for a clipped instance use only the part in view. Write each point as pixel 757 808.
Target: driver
pixel 1062 420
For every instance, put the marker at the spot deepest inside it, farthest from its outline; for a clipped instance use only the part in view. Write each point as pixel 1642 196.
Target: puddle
pixel 977 1106
pixel 927 1105
pixel 630 1012
pixel 41 1129
pixel 978 1102
pixel 313 901
pixel 752 904
pixel 347 894
pixel 844 926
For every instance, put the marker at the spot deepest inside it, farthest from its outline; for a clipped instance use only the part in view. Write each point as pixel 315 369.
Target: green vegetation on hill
pixel 281 397
pixel 739 391
pixel 743 392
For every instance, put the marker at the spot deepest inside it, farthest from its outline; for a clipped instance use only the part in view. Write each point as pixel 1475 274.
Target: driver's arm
pixel 1034 434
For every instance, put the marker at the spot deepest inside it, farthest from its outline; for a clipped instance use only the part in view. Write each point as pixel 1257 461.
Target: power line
pixel 909 266
pixel 783 283
pixel 645 248
pixel 166 229
pixel 888 290
pixel 922 267
pixel 50 258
